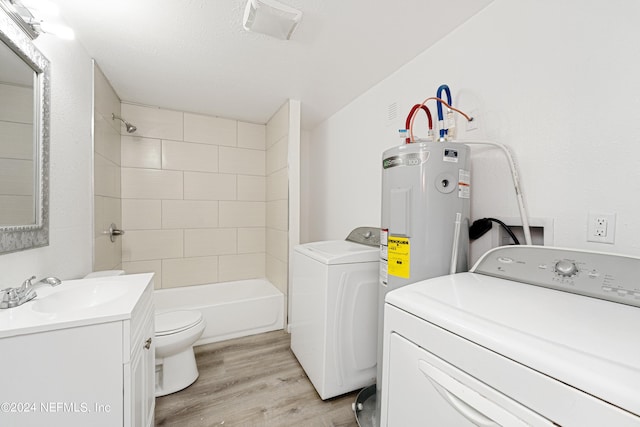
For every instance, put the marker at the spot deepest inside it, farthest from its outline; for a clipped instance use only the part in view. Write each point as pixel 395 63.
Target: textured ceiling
pixel 194 55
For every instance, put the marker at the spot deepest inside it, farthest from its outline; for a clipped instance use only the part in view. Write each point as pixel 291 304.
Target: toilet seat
pixel 173 322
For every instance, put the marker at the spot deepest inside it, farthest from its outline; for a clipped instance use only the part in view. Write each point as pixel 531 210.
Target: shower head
pixel 130 128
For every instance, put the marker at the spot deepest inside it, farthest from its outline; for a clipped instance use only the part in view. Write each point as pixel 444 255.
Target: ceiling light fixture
pixel 58 30
pixel 41 7
pixel 23 13
pixel 20 15
pixel 271 17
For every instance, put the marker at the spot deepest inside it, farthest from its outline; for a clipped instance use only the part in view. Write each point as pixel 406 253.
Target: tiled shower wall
pixel 277 171
pixel 193 197
pixel 106 173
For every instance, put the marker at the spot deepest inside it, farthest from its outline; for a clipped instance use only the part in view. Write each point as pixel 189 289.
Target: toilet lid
pixel 173 322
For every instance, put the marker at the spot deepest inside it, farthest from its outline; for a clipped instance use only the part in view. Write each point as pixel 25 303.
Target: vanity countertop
pixel 76 303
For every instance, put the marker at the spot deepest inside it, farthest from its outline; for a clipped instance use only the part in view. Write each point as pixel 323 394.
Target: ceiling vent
pixel 271 17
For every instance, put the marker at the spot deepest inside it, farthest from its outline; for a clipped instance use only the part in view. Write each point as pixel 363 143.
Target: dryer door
pixel 424 390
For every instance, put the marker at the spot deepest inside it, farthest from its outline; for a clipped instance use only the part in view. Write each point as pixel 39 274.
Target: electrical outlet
pixel 601 228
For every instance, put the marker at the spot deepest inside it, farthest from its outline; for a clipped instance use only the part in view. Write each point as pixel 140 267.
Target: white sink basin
pixel 76 303
pixel 79 297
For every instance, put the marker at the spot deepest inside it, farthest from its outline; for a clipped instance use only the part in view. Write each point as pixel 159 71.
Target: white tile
pixel 278 244
pixel 139 152
pixel 107 211
pixel 212 241
pixel 210 130
pixel 189 157
pixel 106 102
pixel 240 267
pixel 152 244
pixel 251 135
pixel 209 186
pixel 251 240
pixel 278 185
pixel 251 188
pixel 153 122
pixel 98 215
pixel 16 210
pixel 16 177
pixel 277 273
pixel 106 253
pixel 141 214
pixel 106 139
pixel 113 211
pixel 189 271
pixel 278 125
pixel 106 177
pixel 278 215
pixel 277 156
pixel 242 161
pixel 16 140
pixel 189 214
pixel 17 104
pixel 151 184
pixel 242 214
pixel 154 266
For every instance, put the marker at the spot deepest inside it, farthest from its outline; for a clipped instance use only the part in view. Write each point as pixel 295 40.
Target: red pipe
pixel 413 111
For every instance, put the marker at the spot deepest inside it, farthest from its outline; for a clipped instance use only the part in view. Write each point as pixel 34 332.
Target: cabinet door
pixel 143 375
pixel 149 377
pixel 138 398
pixel 68 377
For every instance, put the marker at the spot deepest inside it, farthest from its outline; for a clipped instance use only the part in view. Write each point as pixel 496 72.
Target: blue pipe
pixel 443 132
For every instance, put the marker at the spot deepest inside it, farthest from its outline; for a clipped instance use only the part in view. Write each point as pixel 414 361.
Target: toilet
pixel 175 333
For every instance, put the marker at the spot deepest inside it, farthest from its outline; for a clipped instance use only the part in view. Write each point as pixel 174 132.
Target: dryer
pixel 531 336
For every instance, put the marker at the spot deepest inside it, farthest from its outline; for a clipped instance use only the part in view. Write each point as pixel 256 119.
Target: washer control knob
pixel 566 268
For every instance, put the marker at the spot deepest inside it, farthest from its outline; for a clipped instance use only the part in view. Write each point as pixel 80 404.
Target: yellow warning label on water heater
pixel 399 254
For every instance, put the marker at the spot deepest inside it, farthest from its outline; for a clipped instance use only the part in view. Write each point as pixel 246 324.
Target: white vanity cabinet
pixel 140 375
pixel 94 368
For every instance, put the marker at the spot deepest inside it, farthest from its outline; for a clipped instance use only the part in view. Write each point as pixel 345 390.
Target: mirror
pixel 24 140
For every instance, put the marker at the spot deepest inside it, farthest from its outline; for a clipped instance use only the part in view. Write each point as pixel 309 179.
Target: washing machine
pixel 531 336
pixel 333 320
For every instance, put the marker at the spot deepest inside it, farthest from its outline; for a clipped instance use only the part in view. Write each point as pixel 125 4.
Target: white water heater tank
pixel 424 188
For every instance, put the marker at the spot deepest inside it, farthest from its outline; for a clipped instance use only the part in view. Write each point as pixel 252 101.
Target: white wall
pixel 556 81
pixel 305 185
pixel 69 252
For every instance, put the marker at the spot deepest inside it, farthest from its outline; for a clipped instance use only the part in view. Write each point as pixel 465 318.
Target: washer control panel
pixel 365 235
pixel 600 275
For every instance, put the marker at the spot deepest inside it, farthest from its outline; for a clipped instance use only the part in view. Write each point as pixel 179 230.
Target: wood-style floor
pixel 252 381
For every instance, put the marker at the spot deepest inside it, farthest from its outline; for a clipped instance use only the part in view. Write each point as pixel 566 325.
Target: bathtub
pixel 231 309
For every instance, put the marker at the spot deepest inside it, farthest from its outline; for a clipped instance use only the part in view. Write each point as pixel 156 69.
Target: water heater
pixel 425 197
pixel 425 208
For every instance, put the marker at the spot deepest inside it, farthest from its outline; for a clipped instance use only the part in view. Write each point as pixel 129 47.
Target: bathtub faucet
pixel 13 297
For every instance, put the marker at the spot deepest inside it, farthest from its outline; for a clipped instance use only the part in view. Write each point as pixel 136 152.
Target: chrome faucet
pixel 13 297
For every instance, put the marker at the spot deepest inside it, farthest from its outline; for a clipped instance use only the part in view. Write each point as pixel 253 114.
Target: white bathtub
pixel 231 309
